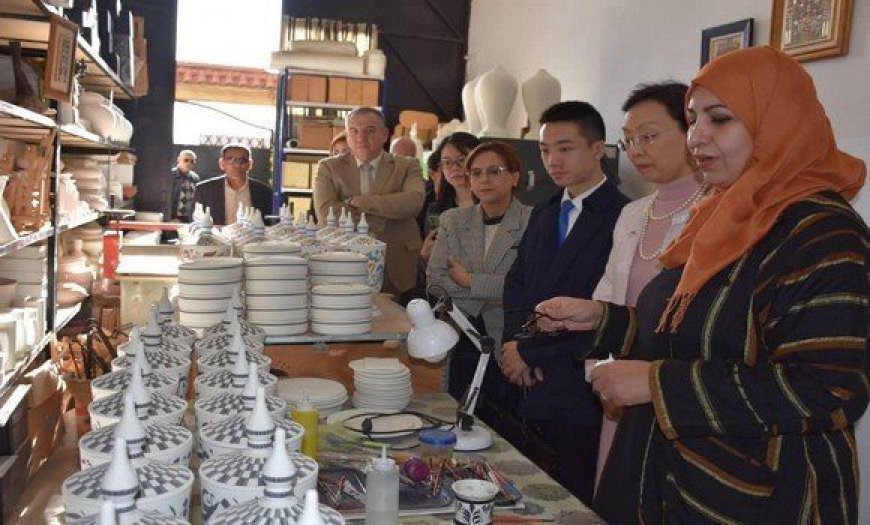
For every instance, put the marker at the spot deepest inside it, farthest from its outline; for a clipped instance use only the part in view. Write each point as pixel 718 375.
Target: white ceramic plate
pixel 341 329
pixel 342 289
pixel 200 305
pixel 208 291
pixel 272 247
pixel 275 302
pixel 292 316
pixel 284 329
pixel 210 276
pixel 349 315
pixel 387 426
pixel 276 260
pixel 199 320
pixel 338 279
pixel 379 365
pixel 276 272
pixel 277 287
pixel 318 389
pixel 341 301
pixel 212 263
pixel 400 405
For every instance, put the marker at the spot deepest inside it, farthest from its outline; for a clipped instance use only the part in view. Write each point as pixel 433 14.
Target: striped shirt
pixel 755 396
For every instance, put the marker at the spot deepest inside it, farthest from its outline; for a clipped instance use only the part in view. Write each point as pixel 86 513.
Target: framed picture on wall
pixel 716 41
pixel 811 29
pixel 60 59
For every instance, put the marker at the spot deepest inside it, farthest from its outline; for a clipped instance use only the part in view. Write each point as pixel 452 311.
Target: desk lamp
pixel 431 339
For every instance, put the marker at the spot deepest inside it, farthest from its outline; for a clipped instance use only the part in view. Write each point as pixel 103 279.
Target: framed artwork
pixel 811 29
pixel 716 41
pixel 60 59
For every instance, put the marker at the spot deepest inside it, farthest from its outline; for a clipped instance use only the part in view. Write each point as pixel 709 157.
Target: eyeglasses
pixel 491 171
pixel 237 160
pixel 447 162
pixel 640 140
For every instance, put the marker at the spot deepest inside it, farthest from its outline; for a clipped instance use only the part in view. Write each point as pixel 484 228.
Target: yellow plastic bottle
pixel 306 415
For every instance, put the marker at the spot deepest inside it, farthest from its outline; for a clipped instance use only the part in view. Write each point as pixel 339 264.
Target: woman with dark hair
pixel 450 187
pixel 473 252
pixel 743 368
pixel 654 131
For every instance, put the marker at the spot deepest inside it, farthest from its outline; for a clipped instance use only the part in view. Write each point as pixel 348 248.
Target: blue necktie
pixel 564 216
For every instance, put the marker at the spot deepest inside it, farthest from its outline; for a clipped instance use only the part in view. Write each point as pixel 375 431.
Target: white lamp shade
pixel 430 339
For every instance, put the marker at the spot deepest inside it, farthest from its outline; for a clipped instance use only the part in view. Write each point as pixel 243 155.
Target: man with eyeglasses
pixel 225 193
pixel 388 188
pixel 182 187
pixel 563 253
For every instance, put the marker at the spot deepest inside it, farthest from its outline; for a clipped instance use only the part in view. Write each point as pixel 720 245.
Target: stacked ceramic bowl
pixel 338 268
pixel 276 294
pixel 205 288
pixel 325 395
pixel 341 309
pixel 381 384
pixel 271 249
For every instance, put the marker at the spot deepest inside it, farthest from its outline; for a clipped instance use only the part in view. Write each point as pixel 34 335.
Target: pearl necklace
pixel 702 189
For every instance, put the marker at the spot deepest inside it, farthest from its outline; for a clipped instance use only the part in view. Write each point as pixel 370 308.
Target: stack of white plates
pixel 205 287
pixel 339 267
pixel 381 383
pixel 324 394
pixel 271 249
pixel 276 294
pixel 341 309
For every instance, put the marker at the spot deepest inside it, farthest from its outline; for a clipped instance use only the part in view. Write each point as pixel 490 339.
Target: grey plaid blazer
pixel 461 235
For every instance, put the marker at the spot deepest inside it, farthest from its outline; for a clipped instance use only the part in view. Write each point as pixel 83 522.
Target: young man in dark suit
pixel 563 253
pixel 225 193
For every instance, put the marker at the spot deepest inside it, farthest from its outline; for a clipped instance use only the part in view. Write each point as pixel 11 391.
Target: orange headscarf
pixel 794 155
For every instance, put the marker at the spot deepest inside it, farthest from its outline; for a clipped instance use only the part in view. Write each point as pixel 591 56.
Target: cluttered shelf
pixel 74 137
pixel 28 22
pixel 64 316
pixel 19 123
pixel 45 232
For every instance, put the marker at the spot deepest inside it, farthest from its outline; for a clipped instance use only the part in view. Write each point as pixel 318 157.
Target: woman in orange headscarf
pixel 742 368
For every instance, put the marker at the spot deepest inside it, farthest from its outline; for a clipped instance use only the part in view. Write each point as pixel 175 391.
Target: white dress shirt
pixel 366 185
pixel 578 203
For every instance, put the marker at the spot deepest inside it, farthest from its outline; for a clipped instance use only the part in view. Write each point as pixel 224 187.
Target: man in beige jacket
pixel 389 189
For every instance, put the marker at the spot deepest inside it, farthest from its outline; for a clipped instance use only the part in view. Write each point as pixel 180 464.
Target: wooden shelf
pixel 72 136
pixel 323 105
pixel 22 124
pixel 322 73
pixel 27 21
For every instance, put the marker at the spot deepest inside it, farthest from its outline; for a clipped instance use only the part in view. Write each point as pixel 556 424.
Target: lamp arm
pixel 485 345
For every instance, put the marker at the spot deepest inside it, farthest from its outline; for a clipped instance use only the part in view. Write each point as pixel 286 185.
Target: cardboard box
pixel 370 89
pixel 13 420
pixel 337 87
pixel 298 88
pixel 296 175
pixel 316 89
pixel 314 134
pixel 300 204
pixel 354 91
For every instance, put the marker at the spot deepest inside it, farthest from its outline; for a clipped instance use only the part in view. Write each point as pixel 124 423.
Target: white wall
pixel 600 49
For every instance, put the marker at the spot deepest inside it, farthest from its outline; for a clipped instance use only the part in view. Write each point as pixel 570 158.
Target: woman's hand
pixel 622 383
pixel 458 273
pixel 428 244
pixel 568 313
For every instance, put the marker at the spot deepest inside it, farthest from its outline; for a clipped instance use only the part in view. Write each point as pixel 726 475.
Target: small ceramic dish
pixel 341 315
pixel 275 302
pixel 276 286
pixel 290 316
pixel 223 290
pixel 341 328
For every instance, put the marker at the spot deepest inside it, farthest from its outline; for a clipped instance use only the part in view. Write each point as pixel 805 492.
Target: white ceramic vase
pixel 7 230
pixel 469 106
pixel 539 93
pixel 495 94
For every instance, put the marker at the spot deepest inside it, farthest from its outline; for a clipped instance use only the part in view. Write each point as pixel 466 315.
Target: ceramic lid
pixel 227 357
pixel 165 308
pixel 257 426
pixel 148 405
pixel 155 478
pixel 341 289
pixel 120 380
pixel 223 380
pixel 107 516
pixel 221 342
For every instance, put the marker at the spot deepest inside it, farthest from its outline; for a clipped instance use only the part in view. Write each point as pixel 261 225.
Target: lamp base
pixel 478 438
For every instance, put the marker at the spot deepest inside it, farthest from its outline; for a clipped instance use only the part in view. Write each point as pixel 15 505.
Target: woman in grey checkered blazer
pixel 473 252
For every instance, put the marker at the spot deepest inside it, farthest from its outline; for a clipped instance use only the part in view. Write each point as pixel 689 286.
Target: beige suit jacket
pixel 391 208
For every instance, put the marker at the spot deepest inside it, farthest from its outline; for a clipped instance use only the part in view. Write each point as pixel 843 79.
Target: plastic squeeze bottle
pixel 306 415
pixel 382 491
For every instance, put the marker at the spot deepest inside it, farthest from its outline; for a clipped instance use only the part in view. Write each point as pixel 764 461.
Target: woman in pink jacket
pixel 654 137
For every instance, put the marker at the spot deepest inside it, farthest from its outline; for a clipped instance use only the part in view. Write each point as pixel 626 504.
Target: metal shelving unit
pixel 27 22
